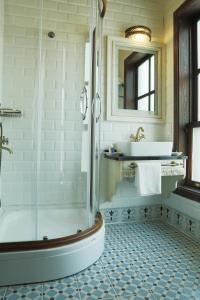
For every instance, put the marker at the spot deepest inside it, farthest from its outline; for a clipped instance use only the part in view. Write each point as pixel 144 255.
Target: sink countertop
pixel 122 157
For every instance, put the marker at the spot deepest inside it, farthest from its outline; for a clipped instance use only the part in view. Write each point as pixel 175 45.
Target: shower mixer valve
pixel 4 141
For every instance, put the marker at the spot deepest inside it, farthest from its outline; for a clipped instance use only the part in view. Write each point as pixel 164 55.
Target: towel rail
pixel 171 169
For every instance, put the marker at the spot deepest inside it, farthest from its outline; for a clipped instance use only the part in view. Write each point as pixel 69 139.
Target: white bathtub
pixel 18 267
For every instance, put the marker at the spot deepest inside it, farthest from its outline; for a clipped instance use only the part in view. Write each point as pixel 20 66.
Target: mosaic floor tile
pixel 61 289
pixel 28 292
pixel 94 284
pixel 150 261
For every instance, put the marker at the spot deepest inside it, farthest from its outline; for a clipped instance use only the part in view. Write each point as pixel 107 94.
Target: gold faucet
pixel 139 135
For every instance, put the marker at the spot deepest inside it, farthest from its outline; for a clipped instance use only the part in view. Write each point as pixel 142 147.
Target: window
pixel 198 67
pixel 139 82
pixel 193 176
pixel 187 93
pixel 146 85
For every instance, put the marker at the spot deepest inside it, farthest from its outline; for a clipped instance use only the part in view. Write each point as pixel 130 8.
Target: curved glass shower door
pixel 61 193
pixel 44 188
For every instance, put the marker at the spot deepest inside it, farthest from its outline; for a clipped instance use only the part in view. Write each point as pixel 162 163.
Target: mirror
pixel 134 81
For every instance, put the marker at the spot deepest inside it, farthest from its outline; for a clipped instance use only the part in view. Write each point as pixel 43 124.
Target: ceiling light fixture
pixel 138 33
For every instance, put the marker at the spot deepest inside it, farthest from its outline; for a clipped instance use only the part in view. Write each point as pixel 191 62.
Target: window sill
pixel 188 192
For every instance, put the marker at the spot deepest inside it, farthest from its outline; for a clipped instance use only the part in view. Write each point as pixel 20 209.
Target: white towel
pixel 148 178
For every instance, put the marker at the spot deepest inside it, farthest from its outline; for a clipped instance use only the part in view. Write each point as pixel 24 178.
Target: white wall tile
pixel 62 66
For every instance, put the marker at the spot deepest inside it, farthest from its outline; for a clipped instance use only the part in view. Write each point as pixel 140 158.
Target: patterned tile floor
pixel 141 261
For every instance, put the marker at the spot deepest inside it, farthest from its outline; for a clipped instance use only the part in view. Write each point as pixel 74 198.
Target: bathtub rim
pixel 53 243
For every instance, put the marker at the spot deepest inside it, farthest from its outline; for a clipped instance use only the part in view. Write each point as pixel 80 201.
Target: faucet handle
pixel 142 136
pixel 132 138
pixel 5 141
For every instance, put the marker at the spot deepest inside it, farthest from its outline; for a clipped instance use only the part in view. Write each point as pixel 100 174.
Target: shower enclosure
pixel 49 220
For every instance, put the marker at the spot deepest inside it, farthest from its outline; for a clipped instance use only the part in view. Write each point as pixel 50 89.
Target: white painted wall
pixel 186 206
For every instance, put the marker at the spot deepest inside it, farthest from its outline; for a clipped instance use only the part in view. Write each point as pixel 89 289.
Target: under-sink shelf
pixel 124 167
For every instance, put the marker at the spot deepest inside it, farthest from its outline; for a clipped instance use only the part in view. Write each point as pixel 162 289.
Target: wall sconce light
pixel 138 33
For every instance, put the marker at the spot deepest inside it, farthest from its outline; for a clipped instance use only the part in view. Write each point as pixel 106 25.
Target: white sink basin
pixel 145 148
pixel 151 148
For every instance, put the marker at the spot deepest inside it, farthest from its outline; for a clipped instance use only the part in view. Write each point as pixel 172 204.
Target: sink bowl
pixel 123 147
pixel 145 148
pixel 151 148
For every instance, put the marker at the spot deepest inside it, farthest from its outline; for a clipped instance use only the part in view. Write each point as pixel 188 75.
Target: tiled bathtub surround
pixel 151 261
pixel 184 223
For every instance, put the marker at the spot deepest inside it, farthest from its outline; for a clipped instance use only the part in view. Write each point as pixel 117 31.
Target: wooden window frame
pixel 131 97
pixel 150 92
pixel 185 85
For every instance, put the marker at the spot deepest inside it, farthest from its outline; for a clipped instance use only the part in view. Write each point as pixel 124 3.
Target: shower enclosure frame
pixel 52 243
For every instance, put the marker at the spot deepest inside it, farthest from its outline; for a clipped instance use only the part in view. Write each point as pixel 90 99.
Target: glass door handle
pixel 99 101
pixel 92 107
pixel 84 103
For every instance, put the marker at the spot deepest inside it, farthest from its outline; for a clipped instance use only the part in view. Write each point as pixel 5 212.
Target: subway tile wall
pixel 121 15
pixel 43 77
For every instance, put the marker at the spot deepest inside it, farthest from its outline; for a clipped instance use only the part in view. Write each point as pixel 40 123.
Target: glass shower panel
pixel 20 44
pixel 42 53
pixel 96 111
pixel 62 198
